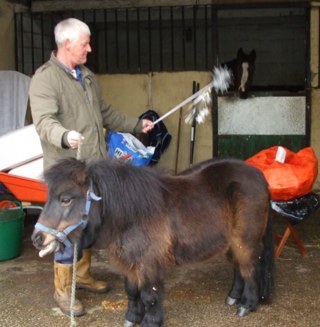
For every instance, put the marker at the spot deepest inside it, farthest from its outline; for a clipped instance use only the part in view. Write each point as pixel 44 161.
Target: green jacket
pixel 59 104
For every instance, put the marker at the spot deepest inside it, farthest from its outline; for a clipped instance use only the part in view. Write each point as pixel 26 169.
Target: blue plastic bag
pixel 126 147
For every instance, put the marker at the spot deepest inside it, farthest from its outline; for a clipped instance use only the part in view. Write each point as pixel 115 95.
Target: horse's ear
pixel 240 53
pixel 253 55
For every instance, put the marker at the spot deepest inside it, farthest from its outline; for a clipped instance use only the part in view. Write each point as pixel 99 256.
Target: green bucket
pixel 11 231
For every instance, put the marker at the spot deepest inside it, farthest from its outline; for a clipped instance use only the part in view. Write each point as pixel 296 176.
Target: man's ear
pixel 67 44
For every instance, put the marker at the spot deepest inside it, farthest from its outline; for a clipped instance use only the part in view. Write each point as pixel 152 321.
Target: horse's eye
pixel 65 201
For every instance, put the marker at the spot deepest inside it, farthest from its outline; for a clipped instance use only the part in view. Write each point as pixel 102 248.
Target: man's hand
pixel 147 125
pixel 74 139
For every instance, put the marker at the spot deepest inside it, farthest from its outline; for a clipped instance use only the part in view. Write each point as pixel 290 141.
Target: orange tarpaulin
pixel 289 180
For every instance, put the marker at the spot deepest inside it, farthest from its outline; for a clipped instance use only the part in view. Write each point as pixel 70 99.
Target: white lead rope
pixel 73 322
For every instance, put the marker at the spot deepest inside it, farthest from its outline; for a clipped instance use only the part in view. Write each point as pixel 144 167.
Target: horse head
pixel 243 68
pixel 65 213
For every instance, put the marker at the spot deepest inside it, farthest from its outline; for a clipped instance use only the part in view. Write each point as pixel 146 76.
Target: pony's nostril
pixel 37 238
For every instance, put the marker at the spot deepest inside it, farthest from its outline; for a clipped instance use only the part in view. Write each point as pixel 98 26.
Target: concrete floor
pixel 194 294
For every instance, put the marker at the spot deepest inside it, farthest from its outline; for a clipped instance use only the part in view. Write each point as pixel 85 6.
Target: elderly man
pixel 67 109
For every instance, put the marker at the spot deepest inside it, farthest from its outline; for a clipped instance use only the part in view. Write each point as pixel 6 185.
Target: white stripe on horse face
pixel 244 77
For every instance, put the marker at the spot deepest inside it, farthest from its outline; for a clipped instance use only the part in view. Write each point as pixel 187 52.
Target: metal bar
pixel 318 72
pixel 183 39
pixel 96 51
pixel 149 40
pixel 22 44
pixel 138 39
pixel 308 79
pixel 32 43
pixel 172 38
pixel 16 53
pixel 206 39
pixel 105 27
pixel 318 83
pixel 42 38
pixel 161 39
pixel 83 14
pixel 128 39
pixel 194 17
pixel 52 35
pixel 116 23
pixel 214 97
pixel 195 88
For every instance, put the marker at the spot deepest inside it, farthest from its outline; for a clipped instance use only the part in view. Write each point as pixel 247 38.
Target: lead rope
pixel 73 322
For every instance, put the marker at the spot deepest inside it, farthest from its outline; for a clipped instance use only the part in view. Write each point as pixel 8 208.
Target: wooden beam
pixel 61 5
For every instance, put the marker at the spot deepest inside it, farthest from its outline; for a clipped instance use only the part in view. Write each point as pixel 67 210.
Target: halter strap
pixel 63 236
pixel 90 196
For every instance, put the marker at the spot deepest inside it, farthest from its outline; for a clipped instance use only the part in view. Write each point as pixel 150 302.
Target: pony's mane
pixel 130 186
pixel 63 170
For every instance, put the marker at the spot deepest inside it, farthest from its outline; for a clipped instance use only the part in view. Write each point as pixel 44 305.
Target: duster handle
pixel 192 97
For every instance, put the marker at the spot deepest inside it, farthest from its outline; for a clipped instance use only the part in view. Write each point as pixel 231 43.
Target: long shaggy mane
pixel 129 194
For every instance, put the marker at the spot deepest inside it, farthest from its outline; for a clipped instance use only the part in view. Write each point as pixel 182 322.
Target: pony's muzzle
pixel 45 243
pixel 37 239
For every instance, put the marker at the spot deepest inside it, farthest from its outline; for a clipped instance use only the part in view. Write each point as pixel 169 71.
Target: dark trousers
pixel 66 255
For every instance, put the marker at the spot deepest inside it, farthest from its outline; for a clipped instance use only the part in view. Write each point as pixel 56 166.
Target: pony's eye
pixel 65 201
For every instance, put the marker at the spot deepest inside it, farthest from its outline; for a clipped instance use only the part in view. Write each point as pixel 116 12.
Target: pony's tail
pixel 265 270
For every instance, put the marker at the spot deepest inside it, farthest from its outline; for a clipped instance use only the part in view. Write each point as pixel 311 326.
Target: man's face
pixel 79 49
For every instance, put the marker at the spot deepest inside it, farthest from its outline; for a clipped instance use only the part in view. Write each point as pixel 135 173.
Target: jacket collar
pixel 85 72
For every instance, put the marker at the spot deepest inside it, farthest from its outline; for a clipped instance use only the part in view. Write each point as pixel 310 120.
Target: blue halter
pixel 63 236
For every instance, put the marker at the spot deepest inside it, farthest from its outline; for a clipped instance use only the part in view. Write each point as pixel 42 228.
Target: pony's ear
pixel 240 53
pixel 81 176
pixel 253 55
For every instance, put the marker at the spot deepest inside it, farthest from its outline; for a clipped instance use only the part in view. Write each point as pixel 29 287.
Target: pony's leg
pixel 247 263
pixel 135 311
pixel 245 283
pixel 236 288
pixel 152 298
pixel 249 298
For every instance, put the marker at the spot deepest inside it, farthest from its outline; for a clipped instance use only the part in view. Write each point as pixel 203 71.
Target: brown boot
pixel 63 288
pixel 84 278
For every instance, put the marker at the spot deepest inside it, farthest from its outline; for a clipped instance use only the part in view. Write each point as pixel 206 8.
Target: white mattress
pixel 14 88
pixel 32 169
pixel 19 147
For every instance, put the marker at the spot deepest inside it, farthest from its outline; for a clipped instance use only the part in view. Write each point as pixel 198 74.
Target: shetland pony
pixel 242 68
pixel 148 220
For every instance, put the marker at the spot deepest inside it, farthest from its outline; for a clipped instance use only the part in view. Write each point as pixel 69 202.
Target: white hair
pixel 70 29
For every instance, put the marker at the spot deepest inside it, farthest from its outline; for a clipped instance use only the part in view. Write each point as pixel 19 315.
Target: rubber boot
pixel 63 289
pixel 84 278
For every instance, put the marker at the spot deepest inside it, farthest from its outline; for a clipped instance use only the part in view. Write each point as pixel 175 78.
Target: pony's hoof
pixel 128 323
pixel 242 311
pixel 231 300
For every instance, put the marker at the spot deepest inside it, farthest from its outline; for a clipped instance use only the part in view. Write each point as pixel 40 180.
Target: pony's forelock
pixel 63 169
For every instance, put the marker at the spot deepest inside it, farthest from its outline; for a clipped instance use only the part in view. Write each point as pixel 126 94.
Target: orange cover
pixel 25 189
pixel 289 180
